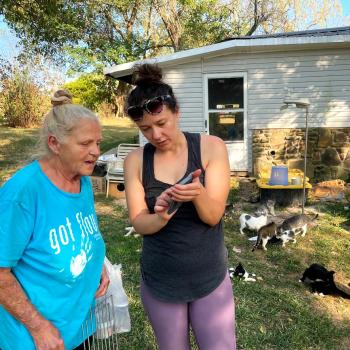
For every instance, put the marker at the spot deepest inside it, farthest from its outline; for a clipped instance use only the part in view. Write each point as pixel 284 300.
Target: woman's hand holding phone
pixel 183 191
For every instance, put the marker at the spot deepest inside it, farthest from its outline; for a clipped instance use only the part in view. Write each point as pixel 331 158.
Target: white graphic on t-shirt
pixel 64 235
pixel 78 262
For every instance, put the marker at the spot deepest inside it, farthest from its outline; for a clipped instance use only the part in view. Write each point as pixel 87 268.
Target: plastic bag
pixel 112 312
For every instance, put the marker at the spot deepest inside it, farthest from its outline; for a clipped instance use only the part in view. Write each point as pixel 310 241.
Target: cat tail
pixel 258 241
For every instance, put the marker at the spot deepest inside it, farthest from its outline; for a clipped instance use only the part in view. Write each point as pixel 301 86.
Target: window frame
pixel 207 111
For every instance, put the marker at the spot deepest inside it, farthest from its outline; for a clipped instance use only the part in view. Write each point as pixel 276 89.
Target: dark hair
pixel 149 84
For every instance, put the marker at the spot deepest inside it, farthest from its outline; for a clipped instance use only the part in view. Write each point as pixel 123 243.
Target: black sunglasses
pixel 152 106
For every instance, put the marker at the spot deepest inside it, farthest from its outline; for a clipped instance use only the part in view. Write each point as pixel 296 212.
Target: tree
pixel 94 90
pixel 95 33
pixel 91 34
pixel 22 102
pixel 88 89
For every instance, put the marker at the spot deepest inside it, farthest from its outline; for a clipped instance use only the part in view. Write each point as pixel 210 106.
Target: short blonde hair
pixel 61 120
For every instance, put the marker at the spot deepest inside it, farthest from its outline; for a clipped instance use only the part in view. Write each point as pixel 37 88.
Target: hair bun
pixel 61 97
pixel 147 74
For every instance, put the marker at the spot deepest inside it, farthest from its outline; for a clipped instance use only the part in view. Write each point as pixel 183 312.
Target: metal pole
pixel 305 155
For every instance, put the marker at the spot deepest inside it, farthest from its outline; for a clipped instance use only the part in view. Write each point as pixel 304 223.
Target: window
pixel 227 125
pixel 226 107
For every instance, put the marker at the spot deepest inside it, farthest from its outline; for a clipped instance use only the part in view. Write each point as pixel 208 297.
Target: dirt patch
pixel 332 191
pixel 120 202
pixel 104 209
pixel 337 308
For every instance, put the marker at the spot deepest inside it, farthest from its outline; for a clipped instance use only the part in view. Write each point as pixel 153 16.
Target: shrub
pixel 22 104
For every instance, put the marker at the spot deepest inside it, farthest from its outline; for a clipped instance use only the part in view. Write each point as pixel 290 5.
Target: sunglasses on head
pixel 152 106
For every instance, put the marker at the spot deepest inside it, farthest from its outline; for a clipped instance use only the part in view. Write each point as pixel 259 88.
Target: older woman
pixel 184 260
pixel 51 251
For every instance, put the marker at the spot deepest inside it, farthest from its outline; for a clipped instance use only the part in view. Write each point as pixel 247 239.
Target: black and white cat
pixel 252 222
pixel 321 281
pixel 317 273
pixel 240 272
pixel 293 226
pixel 265 233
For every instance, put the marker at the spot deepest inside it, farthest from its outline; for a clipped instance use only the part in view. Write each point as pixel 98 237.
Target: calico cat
pixel 253 222
pixel 293 226
pixel 265 233
pixel 240 272
pixel 322 281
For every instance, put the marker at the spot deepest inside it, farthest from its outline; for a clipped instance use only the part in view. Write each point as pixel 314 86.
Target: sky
pixel 346 7
pixel 8 41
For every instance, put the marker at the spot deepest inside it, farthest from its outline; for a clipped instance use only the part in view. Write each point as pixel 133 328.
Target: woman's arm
pixel 14 300
pixel 141 219
pixel 209 200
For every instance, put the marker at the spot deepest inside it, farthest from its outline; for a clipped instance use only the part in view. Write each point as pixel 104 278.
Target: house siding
pixel 186 81
pixel 321 75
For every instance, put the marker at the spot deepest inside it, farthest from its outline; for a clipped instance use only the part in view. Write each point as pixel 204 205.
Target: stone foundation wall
pixel 328 155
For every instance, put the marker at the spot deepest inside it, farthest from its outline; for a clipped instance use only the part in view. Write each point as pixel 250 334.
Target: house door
pixel 226 114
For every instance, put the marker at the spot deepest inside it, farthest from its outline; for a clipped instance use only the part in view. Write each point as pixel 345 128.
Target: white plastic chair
pixel 115 168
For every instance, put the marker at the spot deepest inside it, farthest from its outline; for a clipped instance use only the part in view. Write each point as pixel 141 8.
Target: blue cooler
pixel 279 176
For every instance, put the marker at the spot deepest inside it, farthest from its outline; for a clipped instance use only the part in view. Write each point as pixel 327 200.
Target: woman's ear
pixel 53 144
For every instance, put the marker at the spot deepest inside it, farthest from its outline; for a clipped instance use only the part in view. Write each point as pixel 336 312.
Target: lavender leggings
pixel 211 319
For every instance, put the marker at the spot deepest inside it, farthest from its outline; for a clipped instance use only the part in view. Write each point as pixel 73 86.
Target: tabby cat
pixel 293 226
pixel 265 233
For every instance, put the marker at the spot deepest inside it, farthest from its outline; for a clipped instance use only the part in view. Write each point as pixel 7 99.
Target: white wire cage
pixel 102 324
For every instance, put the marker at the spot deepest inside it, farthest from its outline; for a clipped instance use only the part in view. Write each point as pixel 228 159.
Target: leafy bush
pixel 102 94
pixel 22 102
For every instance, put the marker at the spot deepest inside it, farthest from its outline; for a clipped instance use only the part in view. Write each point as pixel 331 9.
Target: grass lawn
pixel 276 312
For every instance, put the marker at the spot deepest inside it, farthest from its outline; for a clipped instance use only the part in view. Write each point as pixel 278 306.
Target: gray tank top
pixel 187 258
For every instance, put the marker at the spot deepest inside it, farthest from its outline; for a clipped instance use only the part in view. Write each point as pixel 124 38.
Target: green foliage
pixel 91 89
pixel 97 92
pixel 22 102
pixel 92 33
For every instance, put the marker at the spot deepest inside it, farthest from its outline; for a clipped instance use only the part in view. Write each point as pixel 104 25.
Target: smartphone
pixel 173 205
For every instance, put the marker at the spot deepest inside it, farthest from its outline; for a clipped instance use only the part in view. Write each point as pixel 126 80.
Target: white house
pixel 232 88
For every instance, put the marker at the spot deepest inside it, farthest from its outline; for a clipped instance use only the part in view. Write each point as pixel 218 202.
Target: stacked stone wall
pixel 328 155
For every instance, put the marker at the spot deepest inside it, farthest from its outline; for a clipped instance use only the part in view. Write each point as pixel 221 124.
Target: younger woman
pixel 184 260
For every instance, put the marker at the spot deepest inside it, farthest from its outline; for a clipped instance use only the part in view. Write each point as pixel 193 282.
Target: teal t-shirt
pixel 51 241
